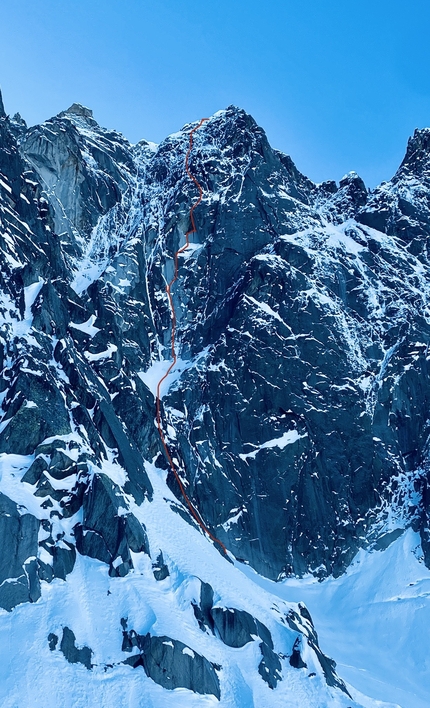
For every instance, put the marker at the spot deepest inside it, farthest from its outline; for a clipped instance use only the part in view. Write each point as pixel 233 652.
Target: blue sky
pixel 337 85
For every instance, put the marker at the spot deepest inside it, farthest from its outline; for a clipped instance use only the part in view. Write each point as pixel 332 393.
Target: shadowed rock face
pixel 19 581
pixel 160 569
pixel 311 393
pixel 237 627
pixel 68 648
pixel 172 664
pixel 300 416
pixel 269 667
pixel 112 542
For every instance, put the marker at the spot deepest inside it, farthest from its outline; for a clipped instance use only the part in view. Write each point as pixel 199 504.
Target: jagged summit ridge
pixel 77 109
pixel 417 158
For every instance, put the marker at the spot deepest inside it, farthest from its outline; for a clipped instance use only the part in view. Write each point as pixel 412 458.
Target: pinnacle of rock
pixel 77 109
pixel 2 110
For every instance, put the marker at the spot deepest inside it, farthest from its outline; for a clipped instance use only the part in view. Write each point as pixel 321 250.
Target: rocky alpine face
pixel 297 413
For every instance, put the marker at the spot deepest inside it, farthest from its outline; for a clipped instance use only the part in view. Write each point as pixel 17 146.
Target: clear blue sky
pixel 338 85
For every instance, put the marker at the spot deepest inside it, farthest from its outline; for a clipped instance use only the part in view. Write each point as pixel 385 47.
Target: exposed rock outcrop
pixel 107 533
pixel 68 647
pixel 172 664
pixel 19 580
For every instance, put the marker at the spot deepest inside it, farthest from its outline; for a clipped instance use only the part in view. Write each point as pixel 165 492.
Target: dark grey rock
pixel 203 610
pixel 138 483
pixel 345 203
pixel 45 489
pixel 104 533
pixel 35 471
pixel 296 660
pixel 160 569
pixel 61 466
pixel 45 571
pixel 270 666
pixel 328 666
pixel 302 337
pixel 63 559
pixel 304 612
pixel 17 125
pixel 237 627
pixel 2 110
pixel 53 641
pixel 70 650
pixel 19 581
pixel 172 664
pixel 387 539
pixel 85 179
pixel 31 568
pixel 31 418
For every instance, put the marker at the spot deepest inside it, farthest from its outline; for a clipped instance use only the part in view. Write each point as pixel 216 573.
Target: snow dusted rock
pixel 19 580
pixel 203 609
pixel 17 125
pixel 30 421
pixel 172 664
pixel 347 200
pixel 107 533
pixel 296 621
pixel 288 319
pixel 270 666
pixel 236 627
pixel 160 569
pixel 83 168
pixel 401 207
pixel 76 109
pixel 297 412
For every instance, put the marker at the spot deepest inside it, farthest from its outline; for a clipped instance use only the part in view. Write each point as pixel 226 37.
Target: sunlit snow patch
pixel 288 438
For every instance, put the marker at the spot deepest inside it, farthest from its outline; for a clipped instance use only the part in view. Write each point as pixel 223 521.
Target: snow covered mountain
pixel 297 415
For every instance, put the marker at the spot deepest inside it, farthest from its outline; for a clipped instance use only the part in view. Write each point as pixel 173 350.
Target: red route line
pixel 193 229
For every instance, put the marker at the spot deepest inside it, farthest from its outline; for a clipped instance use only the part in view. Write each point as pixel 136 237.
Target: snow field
pixel 92 604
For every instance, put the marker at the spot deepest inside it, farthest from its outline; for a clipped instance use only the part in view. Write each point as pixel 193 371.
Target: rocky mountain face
pixel 297 413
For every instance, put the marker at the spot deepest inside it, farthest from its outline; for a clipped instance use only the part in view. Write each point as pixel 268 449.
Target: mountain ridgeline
pixel 297 414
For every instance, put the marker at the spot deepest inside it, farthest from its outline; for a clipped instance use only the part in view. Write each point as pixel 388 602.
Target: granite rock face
pixel 110 543
pixel 307 336
pixel 84 177
pixel 172 664
pixel 19 580
pixel 302 324
pixel 237 627
pixel 58 418
pixel 298 412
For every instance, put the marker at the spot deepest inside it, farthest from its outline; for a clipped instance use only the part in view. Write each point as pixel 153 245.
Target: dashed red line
pixel 193 229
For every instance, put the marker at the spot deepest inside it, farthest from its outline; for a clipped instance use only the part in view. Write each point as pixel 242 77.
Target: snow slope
pixel 374 620
pixel 92 604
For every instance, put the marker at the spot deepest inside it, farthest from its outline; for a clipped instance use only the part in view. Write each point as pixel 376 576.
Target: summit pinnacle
pixel 2 110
